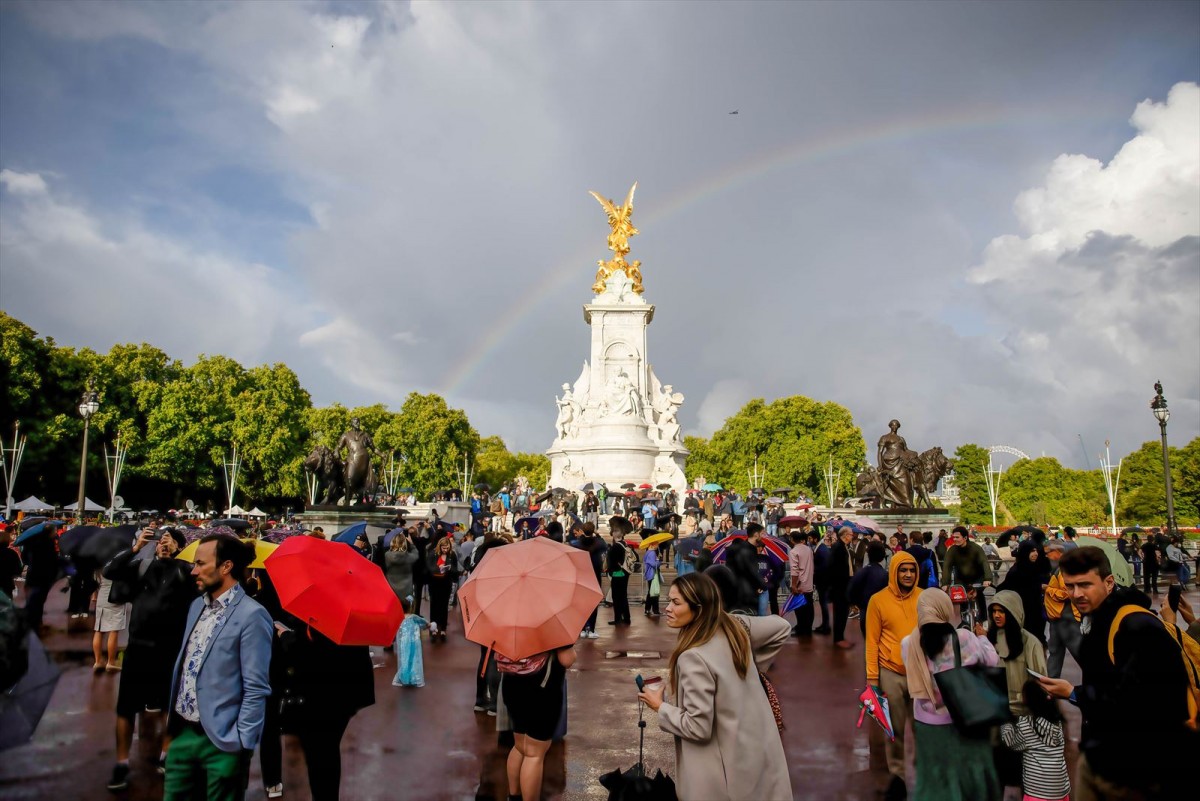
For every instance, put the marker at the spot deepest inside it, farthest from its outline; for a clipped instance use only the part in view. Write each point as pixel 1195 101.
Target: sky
pixel 982 219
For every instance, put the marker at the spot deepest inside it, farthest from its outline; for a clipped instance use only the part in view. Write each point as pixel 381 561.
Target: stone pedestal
pixel 617 423
pixel 931 519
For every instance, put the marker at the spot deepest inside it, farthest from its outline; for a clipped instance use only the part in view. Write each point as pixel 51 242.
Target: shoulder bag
pixel 976 695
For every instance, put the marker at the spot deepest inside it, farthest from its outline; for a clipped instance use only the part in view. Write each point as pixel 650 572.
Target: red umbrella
pixel 645 486
pixel 333 589
pixel 529 597
pixel 774 546
pixel 792 520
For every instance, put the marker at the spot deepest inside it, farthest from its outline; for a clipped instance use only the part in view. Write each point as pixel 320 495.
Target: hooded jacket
pixel 1032 655
pixel 891 616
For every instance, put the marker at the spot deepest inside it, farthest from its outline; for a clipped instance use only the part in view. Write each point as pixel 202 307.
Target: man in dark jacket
pixel 162 590
pixel 925 557
pixel 42 570
pixel 821 558
pixel 1142 688
pixel 594 547
pixel 967 564
pixel 867 581
pixel 839 581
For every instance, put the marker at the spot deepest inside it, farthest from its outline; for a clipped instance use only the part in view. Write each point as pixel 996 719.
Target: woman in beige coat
pixel 727 746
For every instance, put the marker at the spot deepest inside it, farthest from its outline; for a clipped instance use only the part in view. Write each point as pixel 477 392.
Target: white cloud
pixel 725 398
pixel 23 183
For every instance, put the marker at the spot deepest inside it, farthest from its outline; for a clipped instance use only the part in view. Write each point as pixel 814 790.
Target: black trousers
pixel 804 616
pixel 321 742
pixel 651 604
pixel 773 593
pixel 270 747
pixel 823 600
pixel 1150 578
pixel 419 583
pixel 620 599
pixel 841 613
pixel 35 604
pixel 439 602
pixel 79 602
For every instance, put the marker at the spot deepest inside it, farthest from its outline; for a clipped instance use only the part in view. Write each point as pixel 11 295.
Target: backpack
pixel 932 579
pixel 1189 652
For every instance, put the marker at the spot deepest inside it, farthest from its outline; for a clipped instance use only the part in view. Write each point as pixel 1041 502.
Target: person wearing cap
pixel 161 591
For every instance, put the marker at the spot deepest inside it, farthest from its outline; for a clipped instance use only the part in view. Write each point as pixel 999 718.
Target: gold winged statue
pixel 621 222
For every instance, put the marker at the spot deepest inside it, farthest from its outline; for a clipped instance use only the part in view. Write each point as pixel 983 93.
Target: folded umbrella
pixel 336 591
pixel 22 705
pixel 877 707
pixel 529 597
pixel 794 602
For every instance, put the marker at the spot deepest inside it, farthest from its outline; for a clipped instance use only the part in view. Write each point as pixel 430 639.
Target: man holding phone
pixel 1141 687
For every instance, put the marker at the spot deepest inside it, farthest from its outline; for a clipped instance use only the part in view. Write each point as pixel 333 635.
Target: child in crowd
pixel 1038 737
pixel 410 664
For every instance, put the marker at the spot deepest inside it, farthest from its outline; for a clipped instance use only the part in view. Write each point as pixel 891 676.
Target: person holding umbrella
pixel 727 743
pixel 10 563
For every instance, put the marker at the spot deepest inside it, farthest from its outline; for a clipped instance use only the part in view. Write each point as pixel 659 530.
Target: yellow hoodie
pixel 891 616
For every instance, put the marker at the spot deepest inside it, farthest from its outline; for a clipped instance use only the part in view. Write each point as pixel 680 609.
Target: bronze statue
pixel 358 475
pixel 325 465
pixel 904 477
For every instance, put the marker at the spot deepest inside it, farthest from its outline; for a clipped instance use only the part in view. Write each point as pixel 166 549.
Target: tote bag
pixel 976 696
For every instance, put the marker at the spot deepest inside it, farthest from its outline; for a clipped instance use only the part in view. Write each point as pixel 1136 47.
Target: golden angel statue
pixel 621 222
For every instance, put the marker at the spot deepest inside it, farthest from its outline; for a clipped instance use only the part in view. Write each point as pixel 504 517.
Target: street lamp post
pixel 89 404
pixel 1158 405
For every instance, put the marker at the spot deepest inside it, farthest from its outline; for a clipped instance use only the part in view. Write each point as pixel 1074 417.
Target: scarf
pixel 933 606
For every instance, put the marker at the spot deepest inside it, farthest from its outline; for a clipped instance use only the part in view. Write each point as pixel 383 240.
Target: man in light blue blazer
pixel 220 686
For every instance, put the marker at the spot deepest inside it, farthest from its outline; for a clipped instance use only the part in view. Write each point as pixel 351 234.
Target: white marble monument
pixel 618 423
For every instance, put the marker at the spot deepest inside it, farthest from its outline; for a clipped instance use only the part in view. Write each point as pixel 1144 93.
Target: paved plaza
pixel 428 744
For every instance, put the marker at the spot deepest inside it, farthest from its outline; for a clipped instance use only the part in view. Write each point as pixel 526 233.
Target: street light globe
pixel 89 405
pixel 1162 413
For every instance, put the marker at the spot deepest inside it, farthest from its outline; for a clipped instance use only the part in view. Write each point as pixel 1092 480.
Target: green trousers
pixel 196 768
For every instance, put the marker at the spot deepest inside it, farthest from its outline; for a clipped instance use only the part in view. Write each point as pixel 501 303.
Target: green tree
pixel 1143 496
pixel 969 463
pixel 793 439
pixel 434 439
pixel 1042 491
pixel 268 427
pixel 497 466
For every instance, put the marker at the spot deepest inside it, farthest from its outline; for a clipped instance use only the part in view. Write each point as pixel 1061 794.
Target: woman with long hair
pixel 727 743
pixel 952 766
pixel 442 566
pixel 398 563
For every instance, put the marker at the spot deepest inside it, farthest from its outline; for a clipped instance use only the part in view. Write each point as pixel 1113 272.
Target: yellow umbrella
pixel 262 550
pixel 654 539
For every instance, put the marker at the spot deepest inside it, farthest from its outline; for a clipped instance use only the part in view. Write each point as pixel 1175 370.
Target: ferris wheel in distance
pixel 1009 451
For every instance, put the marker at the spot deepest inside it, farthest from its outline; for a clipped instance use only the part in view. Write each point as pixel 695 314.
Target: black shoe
pixel 614 622
pixel 896 790
pixel 120 778
pixel 822 630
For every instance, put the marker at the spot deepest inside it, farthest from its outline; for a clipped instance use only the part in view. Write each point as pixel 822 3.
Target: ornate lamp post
pixel 89 404
pixel 1158 405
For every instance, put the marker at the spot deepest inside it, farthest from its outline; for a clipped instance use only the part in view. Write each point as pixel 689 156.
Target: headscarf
pixel 933 606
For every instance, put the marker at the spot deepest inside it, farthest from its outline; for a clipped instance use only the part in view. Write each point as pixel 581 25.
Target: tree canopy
pixel 793 439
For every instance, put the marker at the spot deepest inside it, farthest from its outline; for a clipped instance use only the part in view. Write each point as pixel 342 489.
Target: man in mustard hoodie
pixel 892 616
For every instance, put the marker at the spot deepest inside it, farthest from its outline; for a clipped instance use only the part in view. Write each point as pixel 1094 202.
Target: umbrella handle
pixel 862 712
pixel 486 657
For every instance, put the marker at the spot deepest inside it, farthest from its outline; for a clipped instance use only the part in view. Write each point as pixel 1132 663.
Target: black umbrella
pixel 635 785
pixel 663 486
pixel 22 707
pixel 406 489
pixel 1133 530
pixel 630 485
pixel 100 546
pixel 483 486
pixel 30 522
pixel 237 524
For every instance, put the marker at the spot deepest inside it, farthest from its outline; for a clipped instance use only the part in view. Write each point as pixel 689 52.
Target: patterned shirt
pixel 215 609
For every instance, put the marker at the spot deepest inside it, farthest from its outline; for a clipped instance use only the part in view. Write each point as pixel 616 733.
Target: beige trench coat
pixel 727 747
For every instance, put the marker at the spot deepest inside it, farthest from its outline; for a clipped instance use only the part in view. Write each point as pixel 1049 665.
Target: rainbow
pixel 807 150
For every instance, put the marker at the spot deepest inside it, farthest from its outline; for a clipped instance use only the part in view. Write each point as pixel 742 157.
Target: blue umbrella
pixel 349 534
pixel 34 530
pixel 391 535
pixel 794 602
pixel 710 487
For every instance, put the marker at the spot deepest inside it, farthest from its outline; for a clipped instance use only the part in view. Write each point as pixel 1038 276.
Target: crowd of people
pixel 218 669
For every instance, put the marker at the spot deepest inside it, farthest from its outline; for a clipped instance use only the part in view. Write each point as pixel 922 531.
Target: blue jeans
pixel 764 603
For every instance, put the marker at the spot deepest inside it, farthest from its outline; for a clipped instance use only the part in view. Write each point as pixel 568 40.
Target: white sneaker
pixel 591 635
pixel 583 635
pixel 275 791
pixel 433 630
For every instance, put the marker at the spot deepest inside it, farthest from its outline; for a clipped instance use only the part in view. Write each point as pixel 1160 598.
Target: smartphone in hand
pixel 1034 673
pixel 1173 594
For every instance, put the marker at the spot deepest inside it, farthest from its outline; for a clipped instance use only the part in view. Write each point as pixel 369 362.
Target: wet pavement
pixel 426 743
